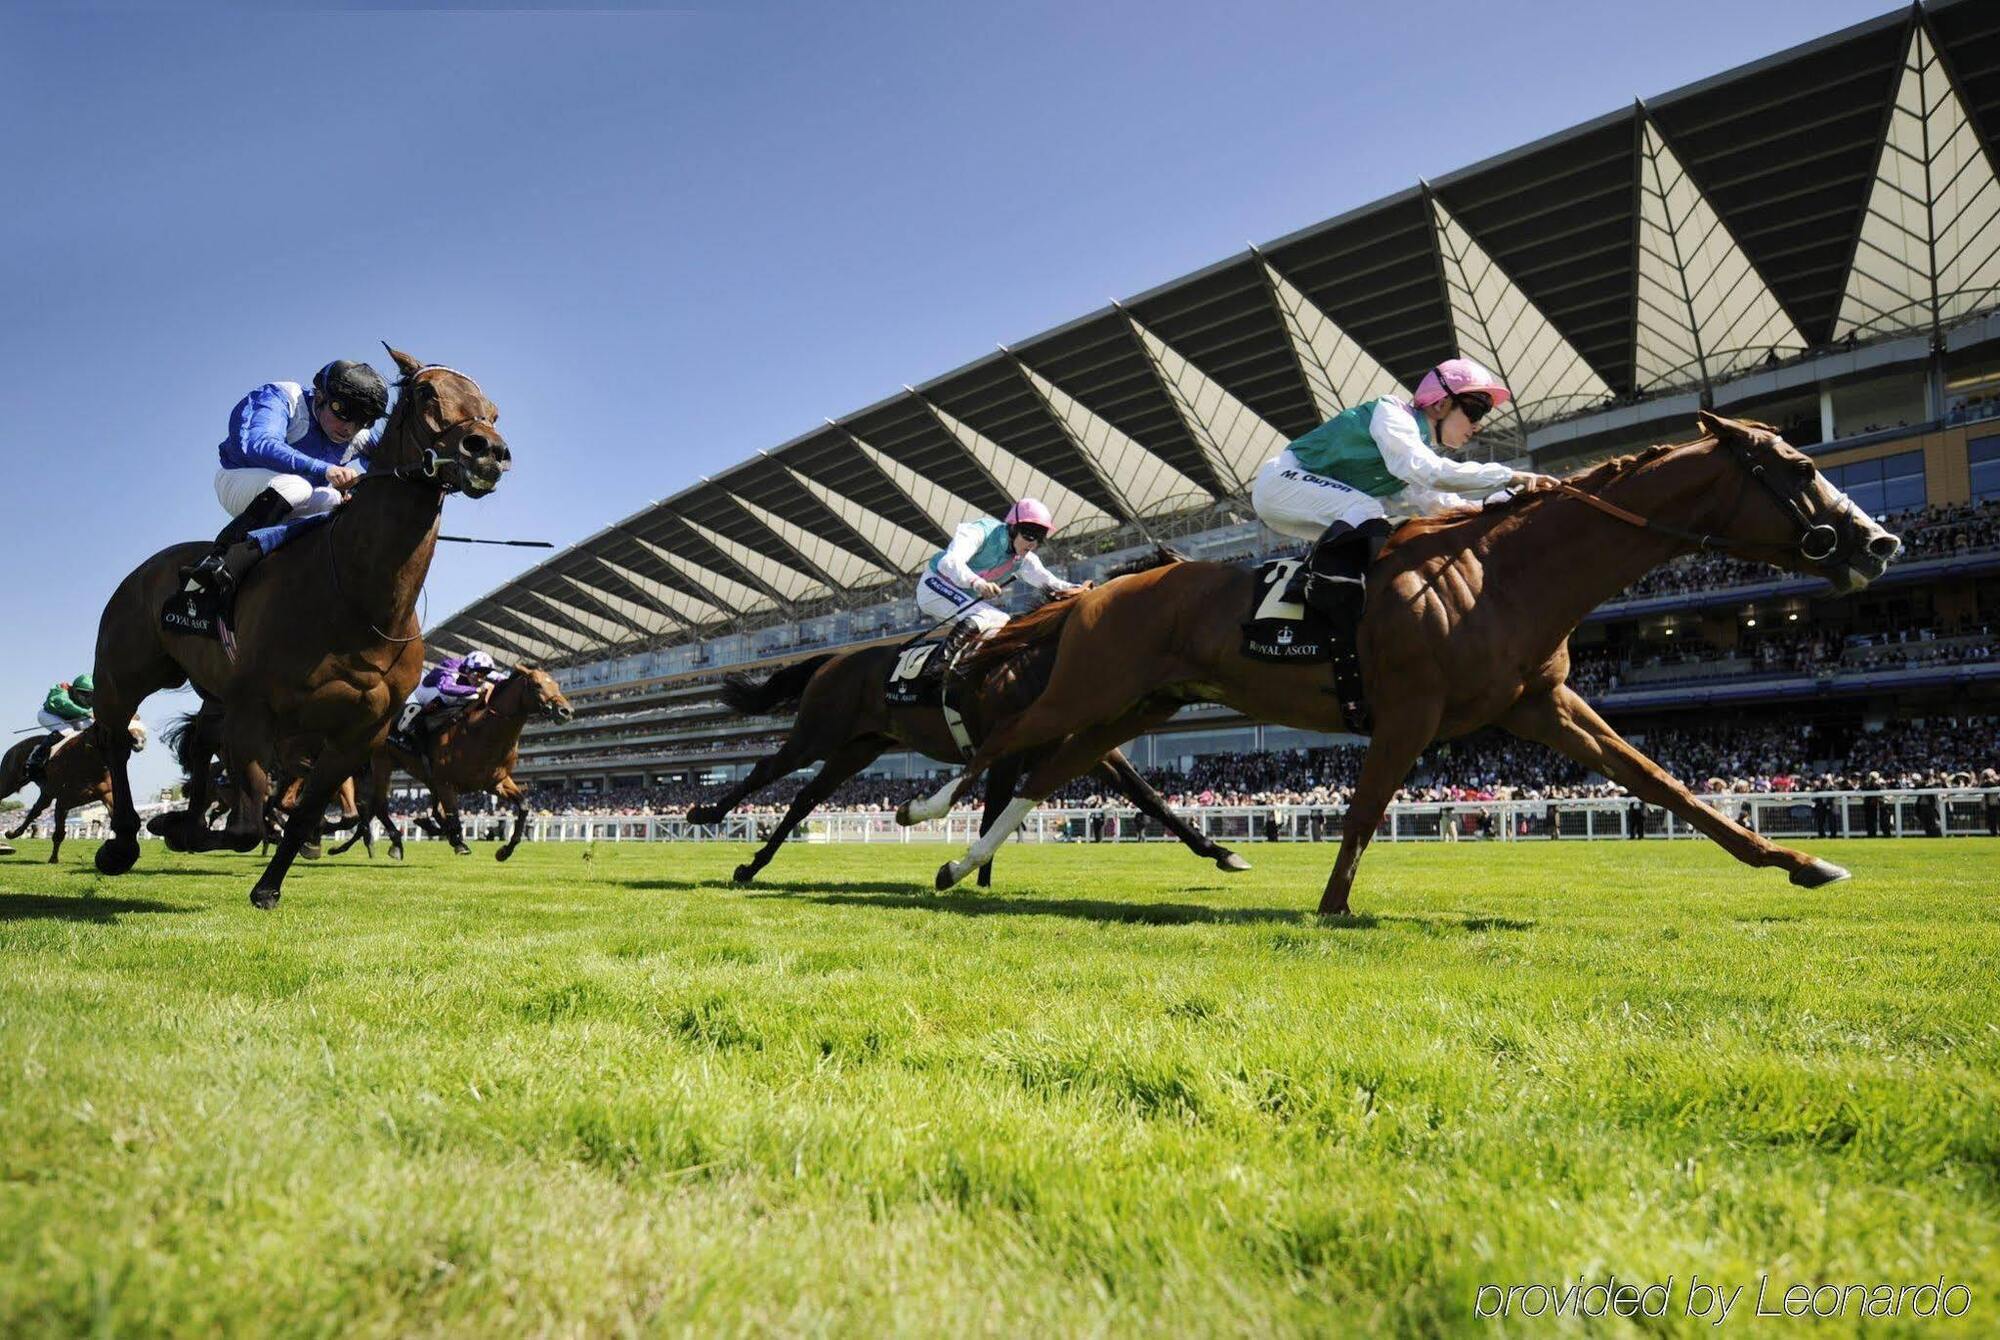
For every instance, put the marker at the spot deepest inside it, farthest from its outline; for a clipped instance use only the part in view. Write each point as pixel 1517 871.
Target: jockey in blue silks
pixel 292 452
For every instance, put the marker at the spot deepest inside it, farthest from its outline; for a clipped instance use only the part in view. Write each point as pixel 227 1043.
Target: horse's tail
pixel 746 695
pixel 1016 636
pixel 181 736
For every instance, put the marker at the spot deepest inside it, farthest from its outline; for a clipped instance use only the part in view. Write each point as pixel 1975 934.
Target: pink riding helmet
pixel 1033 512
pixel 1460 376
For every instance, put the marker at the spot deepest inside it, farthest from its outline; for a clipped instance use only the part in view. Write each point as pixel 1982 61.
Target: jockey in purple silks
pixel 446 689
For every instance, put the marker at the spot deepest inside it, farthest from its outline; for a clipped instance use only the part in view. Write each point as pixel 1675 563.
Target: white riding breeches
pixel 234 489
pixel 50 721
pixel 939 599
pixel 1294 501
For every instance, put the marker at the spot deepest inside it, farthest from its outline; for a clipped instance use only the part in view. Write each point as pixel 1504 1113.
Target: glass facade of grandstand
pixel 1812 241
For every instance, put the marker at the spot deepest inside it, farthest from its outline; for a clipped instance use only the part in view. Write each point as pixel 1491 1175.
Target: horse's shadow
pixel 49 907
pixel 903 897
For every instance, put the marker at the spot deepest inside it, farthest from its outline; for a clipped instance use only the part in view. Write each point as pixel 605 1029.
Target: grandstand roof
pixel 1845 189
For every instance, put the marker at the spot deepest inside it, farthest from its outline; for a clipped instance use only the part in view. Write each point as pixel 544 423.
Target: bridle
pixel 1818 543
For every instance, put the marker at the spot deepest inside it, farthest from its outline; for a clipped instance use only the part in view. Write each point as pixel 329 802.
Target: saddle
pixel 917 679
pixel 1277 629
pixel 206 613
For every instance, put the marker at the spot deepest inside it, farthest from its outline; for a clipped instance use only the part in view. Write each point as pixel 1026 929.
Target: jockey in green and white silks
pixel 965 576
pixel 1340 484
pixel 66 711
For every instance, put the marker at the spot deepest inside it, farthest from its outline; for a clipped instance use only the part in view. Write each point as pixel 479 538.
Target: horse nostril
pixel 475 445
pixel 1884 546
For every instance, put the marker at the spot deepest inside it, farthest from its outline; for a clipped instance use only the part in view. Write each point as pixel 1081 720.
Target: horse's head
pixel 138 733
pixel 1790 515
pixel 533 691
pixel 443 428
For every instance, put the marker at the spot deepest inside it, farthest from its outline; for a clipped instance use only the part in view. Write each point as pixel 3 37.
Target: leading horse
pixel 1467 624
pixel 326 633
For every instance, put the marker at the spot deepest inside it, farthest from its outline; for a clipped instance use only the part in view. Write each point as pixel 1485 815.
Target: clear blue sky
pixel 663 241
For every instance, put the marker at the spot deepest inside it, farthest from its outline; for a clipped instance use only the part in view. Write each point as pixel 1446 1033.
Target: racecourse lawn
pixel 600 1090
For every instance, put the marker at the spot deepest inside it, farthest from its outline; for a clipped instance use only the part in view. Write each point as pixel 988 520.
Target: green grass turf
pixel 602 1091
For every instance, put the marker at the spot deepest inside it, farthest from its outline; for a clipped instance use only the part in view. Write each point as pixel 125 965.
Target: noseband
pixel 447 476
pixel 1817 542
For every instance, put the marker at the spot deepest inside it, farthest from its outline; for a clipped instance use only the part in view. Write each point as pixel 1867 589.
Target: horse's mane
pixel 1015 637
pixel 1591 479
pixel 1159 558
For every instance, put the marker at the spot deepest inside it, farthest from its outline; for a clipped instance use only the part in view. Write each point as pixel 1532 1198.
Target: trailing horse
pixel 1466 625
pixel 845 718
pixel 474 751
pixel 326 634
pixel 74 776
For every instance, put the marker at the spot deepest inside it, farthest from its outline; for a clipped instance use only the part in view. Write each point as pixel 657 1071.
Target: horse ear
pixel 1714 425
pixel 408 366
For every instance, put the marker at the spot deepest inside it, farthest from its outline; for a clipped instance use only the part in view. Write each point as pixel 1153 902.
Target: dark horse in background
pixel 474 751
pixel 844 717
pixel 74 776
pixel 1467 624
pixel 328 643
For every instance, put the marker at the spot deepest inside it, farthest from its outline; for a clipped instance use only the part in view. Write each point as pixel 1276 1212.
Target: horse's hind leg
pixel 41 803
pixel 799 749
pixel 1154 805
pixel 327 770
pixel 1563 721
pixel 847 760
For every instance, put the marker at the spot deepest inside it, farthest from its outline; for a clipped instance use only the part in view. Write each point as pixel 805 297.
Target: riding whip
pixel 521 544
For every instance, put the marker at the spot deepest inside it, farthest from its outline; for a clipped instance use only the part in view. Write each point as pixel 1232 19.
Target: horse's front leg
pixel 841 765
pixel 445 798
pixel 1564 722
pixel 1398 738
pixel 510 791
pixel 61 821
pixel 327 770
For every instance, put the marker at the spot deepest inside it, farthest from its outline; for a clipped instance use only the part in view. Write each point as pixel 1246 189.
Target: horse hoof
pixel 395 853
pixel 1229 860
pixel 947 876
pixel 1329 908
pixel 461 850
pixel 117 855
pixel 903 815
pixel 1818 873
pixel 704 814
pixel 744 874
pixel 310 852
pixel 503 853
pixel 166 825
pixel 263 899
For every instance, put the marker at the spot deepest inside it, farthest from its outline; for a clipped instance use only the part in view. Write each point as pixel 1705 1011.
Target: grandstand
pixel 1812 240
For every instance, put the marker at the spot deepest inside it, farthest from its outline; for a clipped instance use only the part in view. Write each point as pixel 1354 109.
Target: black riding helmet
pixel 353 391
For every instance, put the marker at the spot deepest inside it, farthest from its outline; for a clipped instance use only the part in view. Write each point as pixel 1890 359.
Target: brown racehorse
pixel 474 751
pixel 74 776
pixel 1467 625
pixel 844 717
pixel 195 737
pixel 328 643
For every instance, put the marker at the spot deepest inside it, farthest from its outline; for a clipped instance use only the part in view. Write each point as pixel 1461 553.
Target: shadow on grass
pixel 722 884
pixel 49 907
pixel 902 897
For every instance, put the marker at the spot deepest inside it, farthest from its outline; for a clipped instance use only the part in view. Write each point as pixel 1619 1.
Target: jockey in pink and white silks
pixel 965 577
pixel 1341 485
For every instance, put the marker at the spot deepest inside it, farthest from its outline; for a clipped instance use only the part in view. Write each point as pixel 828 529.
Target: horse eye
pixel 1805 469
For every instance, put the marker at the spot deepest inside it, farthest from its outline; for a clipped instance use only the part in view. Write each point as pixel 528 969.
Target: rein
pixel 1817 542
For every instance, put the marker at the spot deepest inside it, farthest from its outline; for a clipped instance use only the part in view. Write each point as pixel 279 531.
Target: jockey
pixel 66 711
pixel 965 576
pixel 291 452
pixel 454 684
pixel 1339 484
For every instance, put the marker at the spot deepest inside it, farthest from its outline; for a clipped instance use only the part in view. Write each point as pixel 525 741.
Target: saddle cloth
pixel 1277 629
pixel 917 680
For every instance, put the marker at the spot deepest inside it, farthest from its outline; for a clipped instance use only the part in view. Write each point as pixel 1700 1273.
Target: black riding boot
pixel 38 757
pixel 234 553
pixel 1334 577
pixel 962 635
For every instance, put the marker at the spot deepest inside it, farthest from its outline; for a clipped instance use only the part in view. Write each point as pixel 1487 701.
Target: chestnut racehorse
pixel 845 718
pixel 474 751
pixel 327 639
pixel 74 776
pixel 1466 625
